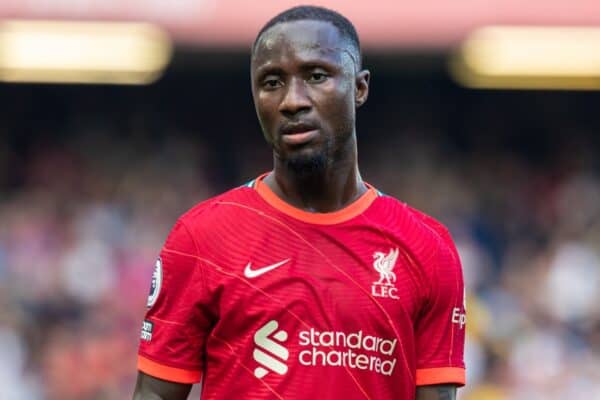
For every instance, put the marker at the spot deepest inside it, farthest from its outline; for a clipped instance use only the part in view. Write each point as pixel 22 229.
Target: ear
pixel 362 87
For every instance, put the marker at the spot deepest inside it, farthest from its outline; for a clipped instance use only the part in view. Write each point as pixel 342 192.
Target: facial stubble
pixel 308 166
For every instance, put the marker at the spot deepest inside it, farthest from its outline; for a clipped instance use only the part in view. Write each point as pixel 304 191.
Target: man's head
pixel 307 83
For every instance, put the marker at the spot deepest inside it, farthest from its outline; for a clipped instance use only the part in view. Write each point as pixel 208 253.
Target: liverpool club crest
pixel 384 264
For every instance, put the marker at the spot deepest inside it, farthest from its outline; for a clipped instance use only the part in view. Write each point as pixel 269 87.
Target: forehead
pixel 305 37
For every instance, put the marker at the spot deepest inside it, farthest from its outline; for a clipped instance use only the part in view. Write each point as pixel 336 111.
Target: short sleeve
pixel 177 322
pixel 440 329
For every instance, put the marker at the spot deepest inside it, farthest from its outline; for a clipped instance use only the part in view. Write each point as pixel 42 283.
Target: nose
pixel 296 99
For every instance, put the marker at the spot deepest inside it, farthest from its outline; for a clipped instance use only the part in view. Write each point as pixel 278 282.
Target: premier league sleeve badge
pixel 156 283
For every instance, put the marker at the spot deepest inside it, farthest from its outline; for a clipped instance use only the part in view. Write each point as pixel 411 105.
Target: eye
pixel 317 77
pixel 271 82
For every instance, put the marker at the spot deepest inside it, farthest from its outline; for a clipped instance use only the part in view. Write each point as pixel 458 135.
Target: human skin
pixel 306 80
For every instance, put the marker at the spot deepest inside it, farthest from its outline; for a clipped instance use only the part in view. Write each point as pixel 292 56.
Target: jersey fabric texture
pixel 260 300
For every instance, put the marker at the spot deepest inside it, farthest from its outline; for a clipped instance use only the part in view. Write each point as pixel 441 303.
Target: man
pixel 306 283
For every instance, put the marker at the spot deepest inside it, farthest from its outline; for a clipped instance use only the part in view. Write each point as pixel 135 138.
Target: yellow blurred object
pixel 478 317
pixel 529 58
pixel 485 392
pixel 82 52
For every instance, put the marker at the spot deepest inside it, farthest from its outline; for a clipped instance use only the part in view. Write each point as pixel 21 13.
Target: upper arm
pixel 440 327
pixel 436 392
pixel 150 388
pixel 178 321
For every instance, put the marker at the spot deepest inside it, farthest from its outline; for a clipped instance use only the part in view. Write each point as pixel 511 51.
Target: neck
pixel 327 189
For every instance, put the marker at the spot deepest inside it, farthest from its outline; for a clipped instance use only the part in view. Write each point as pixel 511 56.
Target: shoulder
pixel 415 225
pixel 403 213
pixel 210 223
pixel 219 208
pixel 431 223
pixel 448 259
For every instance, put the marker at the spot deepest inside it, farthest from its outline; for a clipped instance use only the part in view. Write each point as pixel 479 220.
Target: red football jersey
pixel 260 300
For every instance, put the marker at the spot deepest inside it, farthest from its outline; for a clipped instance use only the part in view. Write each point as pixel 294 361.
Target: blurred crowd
pixel 529 242
pixel 83 223
pixel 77 242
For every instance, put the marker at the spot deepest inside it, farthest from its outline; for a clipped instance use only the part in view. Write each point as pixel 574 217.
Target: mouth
pixel 297 134
pixel 298 138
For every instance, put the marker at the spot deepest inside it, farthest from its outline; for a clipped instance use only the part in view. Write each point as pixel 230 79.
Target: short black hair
pixel 314 13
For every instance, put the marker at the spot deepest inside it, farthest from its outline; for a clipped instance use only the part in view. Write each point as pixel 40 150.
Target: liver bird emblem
pixel 384 264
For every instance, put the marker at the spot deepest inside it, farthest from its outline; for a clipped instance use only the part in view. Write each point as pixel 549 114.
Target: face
pixel 306 88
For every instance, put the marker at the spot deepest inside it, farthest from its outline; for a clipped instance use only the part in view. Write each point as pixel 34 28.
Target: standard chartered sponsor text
pixel 354 350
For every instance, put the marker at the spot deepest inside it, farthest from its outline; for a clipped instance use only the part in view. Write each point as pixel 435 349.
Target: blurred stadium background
pixel 92 176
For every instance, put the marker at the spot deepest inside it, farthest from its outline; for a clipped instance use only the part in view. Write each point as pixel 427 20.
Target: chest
pixel 358 277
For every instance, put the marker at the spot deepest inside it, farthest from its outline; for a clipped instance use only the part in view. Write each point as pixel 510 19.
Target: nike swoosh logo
pixel 253 273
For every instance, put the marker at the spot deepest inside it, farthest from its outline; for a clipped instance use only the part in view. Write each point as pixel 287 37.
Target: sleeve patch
pixel 156 283
pixel 147 327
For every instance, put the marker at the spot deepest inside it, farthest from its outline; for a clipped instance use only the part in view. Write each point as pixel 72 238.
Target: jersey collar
pixel 330 218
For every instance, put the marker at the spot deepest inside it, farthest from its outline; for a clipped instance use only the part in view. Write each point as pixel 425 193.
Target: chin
pixel 307 165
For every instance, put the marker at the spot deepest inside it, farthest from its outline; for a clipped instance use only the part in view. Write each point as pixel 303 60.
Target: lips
pixel 300 137
pixel 296 128
pixel 295 134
